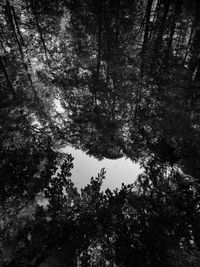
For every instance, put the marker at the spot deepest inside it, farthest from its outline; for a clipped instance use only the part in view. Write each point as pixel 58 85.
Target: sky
pixel 117 171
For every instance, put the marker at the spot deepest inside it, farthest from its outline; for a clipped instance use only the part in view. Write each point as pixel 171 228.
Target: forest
pixel 126 74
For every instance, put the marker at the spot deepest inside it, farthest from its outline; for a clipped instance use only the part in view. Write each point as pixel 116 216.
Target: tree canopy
pixel 114 79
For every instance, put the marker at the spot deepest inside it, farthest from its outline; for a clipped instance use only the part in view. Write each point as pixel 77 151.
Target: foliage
pixel 152 223
pixel 126 76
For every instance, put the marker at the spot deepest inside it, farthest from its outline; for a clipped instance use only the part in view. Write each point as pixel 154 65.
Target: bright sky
pixel 117 171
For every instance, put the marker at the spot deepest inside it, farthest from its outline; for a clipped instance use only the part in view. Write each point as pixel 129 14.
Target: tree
pixel 126 74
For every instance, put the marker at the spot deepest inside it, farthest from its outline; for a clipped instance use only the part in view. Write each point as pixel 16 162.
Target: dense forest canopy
pixel 126 74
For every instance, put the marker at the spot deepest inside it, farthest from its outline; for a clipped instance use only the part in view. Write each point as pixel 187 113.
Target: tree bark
pixel 145 40
pixel 9 83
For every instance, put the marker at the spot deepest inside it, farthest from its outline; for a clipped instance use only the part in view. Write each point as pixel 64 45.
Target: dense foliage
pixel 114 78
pixel 142 224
